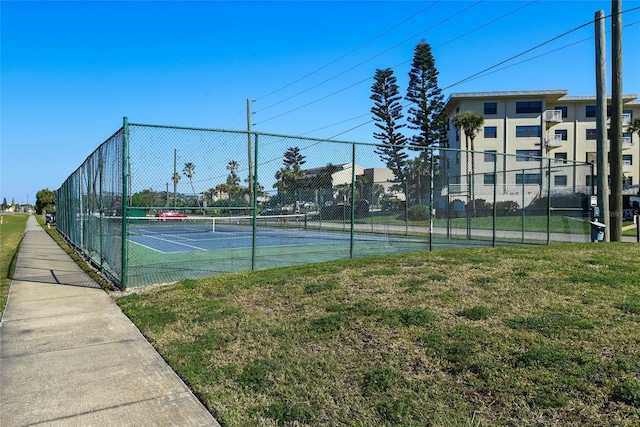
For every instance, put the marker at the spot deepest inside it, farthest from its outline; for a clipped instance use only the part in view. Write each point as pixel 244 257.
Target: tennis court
pixel 228 233
pixel 204 246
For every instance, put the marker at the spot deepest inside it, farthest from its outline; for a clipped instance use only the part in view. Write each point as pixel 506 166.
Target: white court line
pixel 176 243
pixel 148 247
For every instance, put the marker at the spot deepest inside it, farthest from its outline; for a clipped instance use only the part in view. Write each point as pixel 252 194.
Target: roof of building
pixel 557 94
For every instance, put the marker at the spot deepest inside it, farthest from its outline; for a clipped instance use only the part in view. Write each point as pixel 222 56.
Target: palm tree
pixel 634 127
pixel 233 180
pixel 188 171
pixel 470 122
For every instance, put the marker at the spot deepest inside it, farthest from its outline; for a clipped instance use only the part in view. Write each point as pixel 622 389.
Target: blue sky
pixel 70 71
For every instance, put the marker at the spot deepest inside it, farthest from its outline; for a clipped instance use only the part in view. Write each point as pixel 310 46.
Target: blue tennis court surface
pixel 220 240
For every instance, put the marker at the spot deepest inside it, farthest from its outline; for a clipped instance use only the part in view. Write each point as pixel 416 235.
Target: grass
pixel 527 336
pixel 559 224
pixel 11 232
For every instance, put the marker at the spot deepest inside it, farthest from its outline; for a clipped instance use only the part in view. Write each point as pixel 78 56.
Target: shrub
pixel 418 213
pixel 507 208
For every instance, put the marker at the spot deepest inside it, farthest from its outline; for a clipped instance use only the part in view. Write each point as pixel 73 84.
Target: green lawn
pixel 11 231
pixel 517 336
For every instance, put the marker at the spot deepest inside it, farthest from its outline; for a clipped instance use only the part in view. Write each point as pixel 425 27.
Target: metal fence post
pixel 255 202
pixel 353 198
pixel 523 202
pixel 431 176
pixel 125 201
pixel 495 197
pixel 549 202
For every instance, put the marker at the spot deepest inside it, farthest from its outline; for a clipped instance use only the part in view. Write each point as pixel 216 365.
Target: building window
pixel 562 133
pixel 490 132
pixel 528 131
pixel 528 155
pixel 561 157
pixel 560 180
pixel 627 159
pixel 490 156
pixel 629 112
pixel 490 108
pixel 528 178
pixel 626 182
pixel 590 111
pixel 489 178
pixel 523 107
pixel 564 111
pixel 590 135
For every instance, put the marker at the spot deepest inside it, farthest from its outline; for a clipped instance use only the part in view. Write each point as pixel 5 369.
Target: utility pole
pixel 175 175
pixel 249 152
pixel 616 121
pixel 601 124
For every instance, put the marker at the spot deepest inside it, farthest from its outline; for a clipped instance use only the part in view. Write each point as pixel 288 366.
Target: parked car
pixel 171 215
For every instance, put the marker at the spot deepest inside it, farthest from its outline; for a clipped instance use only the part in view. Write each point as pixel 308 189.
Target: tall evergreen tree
pixel 293 157
pixel 426 113
pixel 387 111
pixel 289 177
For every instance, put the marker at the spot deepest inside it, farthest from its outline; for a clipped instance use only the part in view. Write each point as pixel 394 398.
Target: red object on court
pixel 171 215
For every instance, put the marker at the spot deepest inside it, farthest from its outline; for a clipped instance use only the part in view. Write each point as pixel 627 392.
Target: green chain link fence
pixel 156 204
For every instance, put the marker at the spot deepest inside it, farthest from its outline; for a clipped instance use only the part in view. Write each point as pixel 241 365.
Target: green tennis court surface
pixel 166 251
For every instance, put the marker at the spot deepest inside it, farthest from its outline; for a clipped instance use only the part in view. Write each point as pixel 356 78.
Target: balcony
pixel 626 167
pixel 552 116
pixel 552 141
pixel 626 120
pixel 626 143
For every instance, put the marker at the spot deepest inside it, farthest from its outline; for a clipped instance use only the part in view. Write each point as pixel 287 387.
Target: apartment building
pixel 530 125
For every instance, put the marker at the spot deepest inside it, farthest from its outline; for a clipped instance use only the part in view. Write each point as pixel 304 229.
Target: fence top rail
pixel 244 132
pixel 372 144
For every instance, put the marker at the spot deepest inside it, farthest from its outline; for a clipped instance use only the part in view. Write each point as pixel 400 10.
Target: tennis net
pixel 195 224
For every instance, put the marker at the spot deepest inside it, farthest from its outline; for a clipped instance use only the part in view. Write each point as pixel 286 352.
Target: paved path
pixel 70 357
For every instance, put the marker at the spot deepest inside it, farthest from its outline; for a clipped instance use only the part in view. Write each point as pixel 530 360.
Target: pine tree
pixel 293 157
pixel 426 114
pixel 387 111
pixel 289 177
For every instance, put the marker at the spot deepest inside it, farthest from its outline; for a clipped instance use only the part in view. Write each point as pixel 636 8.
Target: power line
pixel 518 55
pixel 350 52
pixel 358 65
pixel 484 72
pixel 543 54
pixel 405 62
pixel 474 76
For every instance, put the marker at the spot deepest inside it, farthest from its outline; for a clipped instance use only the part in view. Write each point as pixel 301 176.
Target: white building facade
pixel 529 125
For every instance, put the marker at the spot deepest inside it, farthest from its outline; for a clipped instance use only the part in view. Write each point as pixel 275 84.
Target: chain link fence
pixel 156 204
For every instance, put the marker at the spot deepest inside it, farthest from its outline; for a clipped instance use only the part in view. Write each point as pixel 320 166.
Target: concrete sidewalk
pixel 70 357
